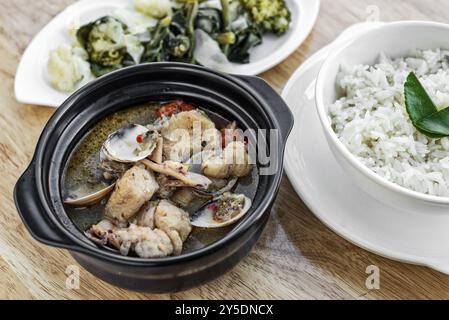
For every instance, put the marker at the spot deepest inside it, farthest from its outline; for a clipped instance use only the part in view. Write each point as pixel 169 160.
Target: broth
pixel 82 175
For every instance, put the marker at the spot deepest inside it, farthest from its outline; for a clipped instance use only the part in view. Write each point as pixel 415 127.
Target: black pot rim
pixel 84 247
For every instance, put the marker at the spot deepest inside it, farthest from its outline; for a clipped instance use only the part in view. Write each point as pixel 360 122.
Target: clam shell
pixel 122 145
pixel 213 194
pixel 204 218
pixel 90 199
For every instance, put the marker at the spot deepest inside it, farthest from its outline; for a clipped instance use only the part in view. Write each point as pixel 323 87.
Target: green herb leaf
pixel 423 112
pixel 436 124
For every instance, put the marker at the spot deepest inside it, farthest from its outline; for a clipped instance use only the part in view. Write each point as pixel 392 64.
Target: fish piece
pixel 170 217
pixel 132 191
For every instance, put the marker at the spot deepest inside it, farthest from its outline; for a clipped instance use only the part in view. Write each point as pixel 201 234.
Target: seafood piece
pixel 133 190
pixel 145 217
pixel 211 140
pixel 145 242
pixel 181 145
pixel 223 211
pixel 178 150
pixel 178 134
pixel 217 188
pixel 216 167
pixel 183 196
pixel 157 155
pixel 219 185
pixel 159 230
pixel 103 233
pixel 172 220
pixel 185 121
pixel 176 241
pixel 91 198
pixel 166 186
pixel 230 134
pixel 179 172
pixel 236 155
pixel 112 170
pixel 233 162
pixel 130 144
pixel 169 217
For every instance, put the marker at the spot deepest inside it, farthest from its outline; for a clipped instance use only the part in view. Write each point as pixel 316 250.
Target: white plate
pixel 412 237
pixel 32 86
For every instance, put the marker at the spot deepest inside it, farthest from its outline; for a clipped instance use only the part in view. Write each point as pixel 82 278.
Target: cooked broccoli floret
pixel 271 15
pixel 179 46
pixel 108 46
pixel 104 41
pixel 226 38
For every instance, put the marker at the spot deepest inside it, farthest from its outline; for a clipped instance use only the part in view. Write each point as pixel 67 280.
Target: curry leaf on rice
pixel 422 111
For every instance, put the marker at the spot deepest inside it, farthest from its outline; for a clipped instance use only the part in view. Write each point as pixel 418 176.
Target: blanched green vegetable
pixel 271 15
pixel 179 46
pixel 168 30
pixel 232 28
pixel 246 32
pixel 246 40
pixel 192 13
pixel 154 49
pixel 226 38
pixel 108 46
pixel 103 41
pixel 209 20
pixel 173 38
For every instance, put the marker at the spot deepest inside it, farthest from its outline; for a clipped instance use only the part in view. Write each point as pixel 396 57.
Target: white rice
pixel 372 122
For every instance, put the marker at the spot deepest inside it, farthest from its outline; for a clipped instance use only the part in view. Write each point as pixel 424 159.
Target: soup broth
pixel 83 175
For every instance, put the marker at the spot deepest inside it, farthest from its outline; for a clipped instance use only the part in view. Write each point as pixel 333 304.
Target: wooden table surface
pixel 297 256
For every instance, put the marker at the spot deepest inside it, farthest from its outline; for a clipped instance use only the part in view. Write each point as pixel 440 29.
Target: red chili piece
pixel 173 107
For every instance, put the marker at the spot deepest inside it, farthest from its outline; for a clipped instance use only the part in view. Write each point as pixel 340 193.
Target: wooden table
pixel 297 257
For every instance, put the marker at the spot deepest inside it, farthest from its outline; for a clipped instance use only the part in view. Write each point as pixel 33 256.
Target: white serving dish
pixel 31 83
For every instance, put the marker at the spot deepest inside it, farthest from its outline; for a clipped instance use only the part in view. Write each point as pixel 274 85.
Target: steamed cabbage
pixel 208 53
pixel 137 22
pixel 154 8
pixel 134 47
pixel 68 68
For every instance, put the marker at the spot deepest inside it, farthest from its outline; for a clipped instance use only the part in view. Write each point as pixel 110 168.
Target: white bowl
pixel 395 39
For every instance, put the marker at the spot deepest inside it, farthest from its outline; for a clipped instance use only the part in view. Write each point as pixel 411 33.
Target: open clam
pixel 217 188
pixel 89 199
pixel 130 144
pixel 223 211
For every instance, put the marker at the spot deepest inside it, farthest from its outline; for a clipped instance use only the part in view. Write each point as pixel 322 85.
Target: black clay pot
pixel 249 100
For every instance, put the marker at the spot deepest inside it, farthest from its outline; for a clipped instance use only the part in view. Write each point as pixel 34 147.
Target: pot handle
pixel 277 104
pixel 29 208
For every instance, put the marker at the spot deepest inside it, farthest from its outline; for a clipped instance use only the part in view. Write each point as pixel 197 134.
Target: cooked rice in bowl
pixel 372 122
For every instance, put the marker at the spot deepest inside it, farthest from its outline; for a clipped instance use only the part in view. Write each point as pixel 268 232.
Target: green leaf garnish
pixel 423 112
